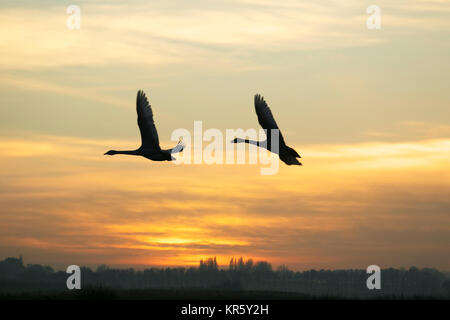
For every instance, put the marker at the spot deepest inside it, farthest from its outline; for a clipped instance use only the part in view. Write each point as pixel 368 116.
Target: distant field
pixel 181 294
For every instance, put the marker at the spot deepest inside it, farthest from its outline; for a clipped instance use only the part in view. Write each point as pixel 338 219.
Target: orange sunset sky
pixel 368 110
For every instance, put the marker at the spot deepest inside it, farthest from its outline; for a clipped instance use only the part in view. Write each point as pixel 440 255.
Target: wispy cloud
pixel 221 34
pixel 30 84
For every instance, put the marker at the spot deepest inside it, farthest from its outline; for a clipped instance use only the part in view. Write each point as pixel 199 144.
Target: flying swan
pixel 267 122
pixel 149 148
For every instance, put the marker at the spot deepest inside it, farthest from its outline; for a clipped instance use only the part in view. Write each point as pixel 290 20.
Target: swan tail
pixel 292 152
pixel 292 161
pixel 178 148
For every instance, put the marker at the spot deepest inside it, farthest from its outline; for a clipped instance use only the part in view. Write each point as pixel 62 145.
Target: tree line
pixel 240 275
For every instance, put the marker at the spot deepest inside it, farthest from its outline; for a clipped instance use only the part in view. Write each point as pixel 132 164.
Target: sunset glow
pixel 368 111
pixel 128 211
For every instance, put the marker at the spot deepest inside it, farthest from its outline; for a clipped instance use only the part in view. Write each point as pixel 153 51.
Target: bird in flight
pixel 267 122
pixel 149 148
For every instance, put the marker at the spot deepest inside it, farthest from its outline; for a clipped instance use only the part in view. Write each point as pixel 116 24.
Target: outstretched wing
pixel 149 135
pixel 265 117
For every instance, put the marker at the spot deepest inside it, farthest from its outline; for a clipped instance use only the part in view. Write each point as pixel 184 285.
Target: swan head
pixel 110 152
pixel 236 140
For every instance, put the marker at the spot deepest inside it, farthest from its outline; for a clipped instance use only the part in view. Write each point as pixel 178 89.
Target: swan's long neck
pixel 130 152
pixel 256 143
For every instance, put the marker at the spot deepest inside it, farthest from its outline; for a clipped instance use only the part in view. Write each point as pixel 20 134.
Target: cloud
pixel 221 34
pixel 29 84
pixel 348 205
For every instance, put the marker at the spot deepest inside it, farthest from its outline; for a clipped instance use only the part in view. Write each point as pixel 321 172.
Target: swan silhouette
pixel 149 148
pixel 267 122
